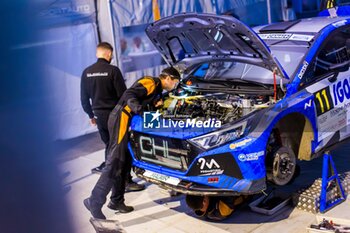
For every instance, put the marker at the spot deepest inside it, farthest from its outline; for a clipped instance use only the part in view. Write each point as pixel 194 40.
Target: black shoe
pixel 99 168
pixel 133 187
pixel 121 207
pixel 95 213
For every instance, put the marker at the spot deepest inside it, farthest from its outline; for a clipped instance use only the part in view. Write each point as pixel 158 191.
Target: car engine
pixel 224 107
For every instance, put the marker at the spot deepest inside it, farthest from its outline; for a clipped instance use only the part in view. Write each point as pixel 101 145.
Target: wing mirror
pixel 337 68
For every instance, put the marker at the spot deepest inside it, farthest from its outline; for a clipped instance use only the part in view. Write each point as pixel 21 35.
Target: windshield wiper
pixel 234 91
pixel 247 82
pixel 231 83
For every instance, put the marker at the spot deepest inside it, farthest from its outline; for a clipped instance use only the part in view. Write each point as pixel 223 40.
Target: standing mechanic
pixel 142 92
pixel 104 85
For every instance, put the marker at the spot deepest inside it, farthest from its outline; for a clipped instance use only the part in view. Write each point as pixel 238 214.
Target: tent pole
pixel 109 5
pixel 268 5
pixel 97 22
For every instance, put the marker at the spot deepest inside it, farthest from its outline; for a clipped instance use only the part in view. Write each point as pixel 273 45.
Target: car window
pixel 334 51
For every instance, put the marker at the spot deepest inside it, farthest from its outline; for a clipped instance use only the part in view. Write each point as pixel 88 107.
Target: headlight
pixel 220 137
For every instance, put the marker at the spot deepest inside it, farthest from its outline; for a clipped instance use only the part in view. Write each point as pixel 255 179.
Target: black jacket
pixel 103 84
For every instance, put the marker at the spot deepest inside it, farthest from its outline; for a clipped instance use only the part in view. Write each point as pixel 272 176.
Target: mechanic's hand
pixel 93 121
pixel 159 103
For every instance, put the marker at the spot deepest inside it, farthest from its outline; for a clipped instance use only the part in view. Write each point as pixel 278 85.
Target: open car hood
pixel 208 37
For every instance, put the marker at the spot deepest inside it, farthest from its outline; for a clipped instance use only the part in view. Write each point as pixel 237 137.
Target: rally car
pixel 251 103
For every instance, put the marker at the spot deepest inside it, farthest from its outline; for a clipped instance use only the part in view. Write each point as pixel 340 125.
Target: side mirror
pixel 337 68
pixel 333 77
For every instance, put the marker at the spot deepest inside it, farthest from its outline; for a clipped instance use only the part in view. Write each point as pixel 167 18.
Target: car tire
pixel 281 166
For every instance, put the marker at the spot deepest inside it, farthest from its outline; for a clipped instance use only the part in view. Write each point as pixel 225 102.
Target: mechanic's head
pixel 198 203
pixel 104 50
pixel 169 78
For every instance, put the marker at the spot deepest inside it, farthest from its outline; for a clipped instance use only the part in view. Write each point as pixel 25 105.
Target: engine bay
pixel 222 106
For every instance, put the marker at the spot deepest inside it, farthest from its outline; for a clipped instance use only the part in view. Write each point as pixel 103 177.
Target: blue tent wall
pixel 70 41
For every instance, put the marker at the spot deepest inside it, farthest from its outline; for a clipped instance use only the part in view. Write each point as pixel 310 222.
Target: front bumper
pixel 233 169
pixel 195 189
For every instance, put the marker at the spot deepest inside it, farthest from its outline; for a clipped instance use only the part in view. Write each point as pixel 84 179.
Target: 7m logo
pixel 209 165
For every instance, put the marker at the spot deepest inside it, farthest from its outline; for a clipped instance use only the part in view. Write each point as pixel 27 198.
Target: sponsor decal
pixel 209 168
pixel 153 120
pixel 275 36
pixel 160 151
pixel 149 147
pixel 322 119
pixel 341 91
pixel 308 104
pixel 299 37
pixel 241 143
pixel 213 179
pixel 209 165
pixel 286 36
pixel 330 122
pixel 339 23
pixel 251 156
pixel 332 104
pixel 303 69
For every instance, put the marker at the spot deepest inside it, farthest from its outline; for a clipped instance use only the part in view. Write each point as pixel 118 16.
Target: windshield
pixel 289 54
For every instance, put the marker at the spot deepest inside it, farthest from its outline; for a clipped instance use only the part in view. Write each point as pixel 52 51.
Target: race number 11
pixel 323 101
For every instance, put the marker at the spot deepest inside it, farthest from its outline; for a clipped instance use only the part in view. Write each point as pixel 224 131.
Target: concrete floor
pixel 157 211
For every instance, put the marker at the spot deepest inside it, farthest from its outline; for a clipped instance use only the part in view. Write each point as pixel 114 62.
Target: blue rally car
pixel 252 102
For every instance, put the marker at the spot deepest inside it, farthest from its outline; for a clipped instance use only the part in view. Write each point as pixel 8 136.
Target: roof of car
pixel 310 25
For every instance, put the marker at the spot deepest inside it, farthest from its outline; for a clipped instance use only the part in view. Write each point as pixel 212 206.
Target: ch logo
pixel 149 147
pixel 210 165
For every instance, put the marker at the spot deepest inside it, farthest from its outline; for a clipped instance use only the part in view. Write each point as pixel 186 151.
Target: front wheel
pixel 280 165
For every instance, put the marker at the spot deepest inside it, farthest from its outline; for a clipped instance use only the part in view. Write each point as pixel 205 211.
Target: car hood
pixel 187 39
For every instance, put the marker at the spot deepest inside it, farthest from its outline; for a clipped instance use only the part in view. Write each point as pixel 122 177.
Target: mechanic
pixel 104 85
pixel 142 92
pixel 214 208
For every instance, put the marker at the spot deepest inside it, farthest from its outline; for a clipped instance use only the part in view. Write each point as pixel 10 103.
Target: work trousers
pixel 102 126
pixel 118 164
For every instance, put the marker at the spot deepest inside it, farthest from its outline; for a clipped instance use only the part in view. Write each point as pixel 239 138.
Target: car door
pixel 327 77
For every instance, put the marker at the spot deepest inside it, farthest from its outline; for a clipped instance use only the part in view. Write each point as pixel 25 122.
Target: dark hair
pixel 105 45
pixel 171 72
pixel 194 202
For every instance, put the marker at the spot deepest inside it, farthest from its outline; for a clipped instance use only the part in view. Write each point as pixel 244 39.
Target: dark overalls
pixel 104 85
pixel 119 160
